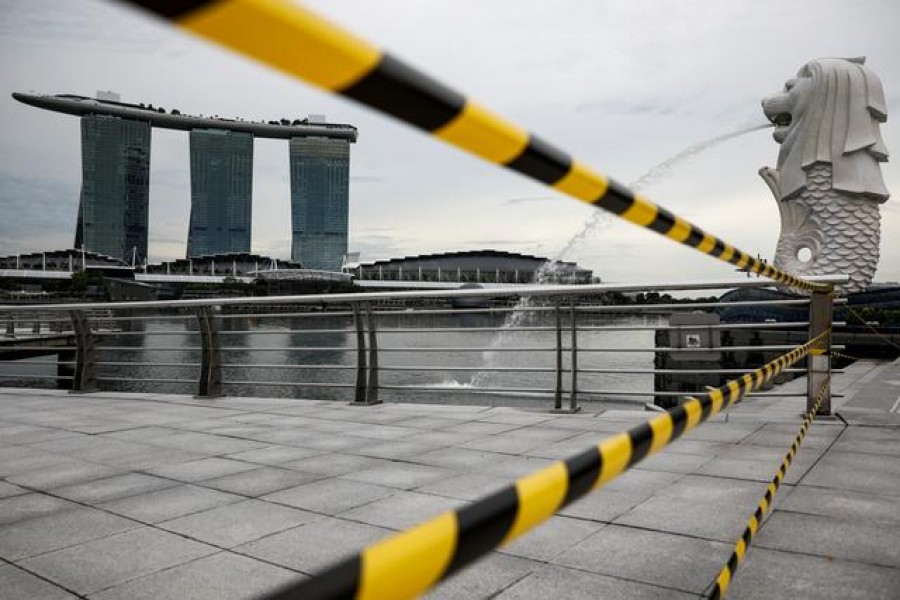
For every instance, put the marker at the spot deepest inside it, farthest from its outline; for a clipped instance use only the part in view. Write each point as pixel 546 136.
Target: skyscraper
pixel 221 192
pixel 115 189
pixel 320 192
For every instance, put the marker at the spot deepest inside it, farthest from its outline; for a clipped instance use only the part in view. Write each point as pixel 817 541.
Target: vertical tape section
pixel 742 546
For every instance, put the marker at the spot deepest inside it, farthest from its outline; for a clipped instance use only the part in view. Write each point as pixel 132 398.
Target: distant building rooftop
pixel 471 266
pixel 60 260
pixel 283 128
pixel 236 263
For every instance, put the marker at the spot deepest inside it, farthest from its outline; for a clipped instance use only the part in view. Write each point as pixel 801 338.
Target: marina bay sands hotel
pixel 115 190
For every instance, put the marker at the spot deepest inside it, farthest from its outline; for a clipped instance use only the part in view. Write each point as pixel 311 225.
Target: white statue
pixel 828 182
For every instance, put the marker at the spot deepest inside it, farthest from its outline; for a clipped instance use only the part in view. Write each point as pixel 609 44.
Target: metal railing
pixel 559 344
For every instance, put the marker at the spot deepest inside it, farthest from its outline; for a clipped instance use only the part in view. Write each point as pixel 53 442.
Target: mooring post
pixel 210 382
pixel 557 394
pixel 573 394
pixel 372 384
pixel 359 396
pixel 83 379
pixel 818 363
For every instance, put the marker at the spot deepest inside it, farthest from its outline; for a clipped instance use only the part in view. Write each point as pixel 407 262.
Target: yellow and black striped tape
pixel 303 44
pixel 410 562
pixel 726 575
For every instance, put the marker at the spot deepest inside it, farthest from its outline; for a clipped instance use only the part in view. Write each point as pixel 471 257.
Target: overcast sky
pixel 621 85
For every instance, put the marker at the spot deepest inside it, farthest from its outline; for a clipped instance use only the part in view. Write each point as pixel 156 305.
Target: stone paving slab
pixel 222 576
pixel 168 503
pixel 494 574
pixel 22 585
pixel 8 489
pixel 842 504
pixel 101 564
pixel 112 488
pixel 553 581
pixel 135 495
pixel 768 574
pixel 552 538
pixel 32 537
pixel 256 482
pixel 233 524
pixel 857 471
pixel 401 510
pixel 314 546
pixel 856 539
pixel 679 563
pixel 330 496
pixel 20 507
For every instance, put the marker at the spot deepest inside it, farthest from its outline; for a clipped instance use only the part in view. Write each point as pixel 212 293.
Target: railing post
pixel 11 325
pixel 818 363
pixel 360 393
pixel 83 379
pixel 573 393
pixel 36 326
pixel 372 385
pixel 210 382
pixel 557 395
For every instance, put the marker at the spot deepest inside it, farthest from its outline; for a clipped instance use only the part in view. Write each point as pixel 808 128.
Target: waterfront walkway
pixel 112 496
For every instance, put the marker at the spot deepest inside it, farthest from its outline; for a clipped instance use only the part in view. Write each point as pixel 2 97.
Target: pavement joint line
pixel 824 452
pixel 829 557
pixel 514 582
pixel 169 568
pixel 41 577
pixel 628 579
pixel 896 405
pixel 879 494
pixel 796 511
pixel 689 536
pixel 155 526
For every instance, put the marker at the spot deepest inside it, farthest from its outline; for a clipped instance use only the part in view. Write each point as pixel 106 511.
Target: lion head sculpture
pixel 830 113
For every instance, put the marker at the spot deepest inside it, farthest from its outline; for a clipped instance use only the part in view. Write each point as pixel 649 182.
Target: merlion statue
pixel 828 182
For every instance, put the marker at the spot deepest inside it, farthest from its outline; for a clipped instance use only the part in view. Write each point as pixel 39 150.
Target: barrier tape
pixel 743 544
pixel 410 562
pixel 837 354
pixel 298 42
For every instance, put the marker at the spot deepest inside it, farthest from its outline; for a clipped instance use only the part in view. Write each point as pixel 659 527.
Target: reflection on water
pixel 272 351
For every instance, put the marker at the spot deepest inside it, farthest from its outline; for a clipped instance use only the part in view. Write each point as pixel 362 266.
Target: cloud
pixel 513 201
pixel 501 242
pixel 631 107
pixel 36 211
pixel 43 22
pixel 367 179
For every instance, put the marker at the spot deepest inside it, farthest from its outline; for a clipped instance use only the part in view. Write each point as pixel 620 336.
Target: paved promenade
pixel 115 496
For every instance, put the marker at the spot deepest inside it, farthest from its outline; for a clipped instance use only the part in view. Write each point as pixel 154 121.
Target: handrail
pixel 109 350
pixel 282 34
pixel 410 562
pixel 524 290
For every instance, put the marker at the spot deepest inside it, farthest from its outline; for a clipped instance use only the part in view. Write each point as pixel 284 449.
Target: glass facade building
pixel 115 191
pixel 221 192
pixel 320 194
